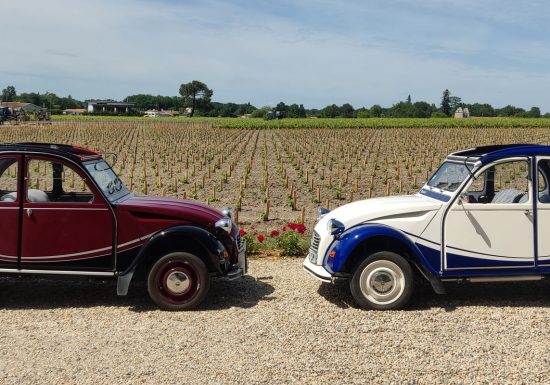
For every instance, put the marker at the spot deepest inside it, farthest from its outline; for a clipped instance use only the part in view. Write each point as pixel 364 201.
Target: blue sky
pixel 315 52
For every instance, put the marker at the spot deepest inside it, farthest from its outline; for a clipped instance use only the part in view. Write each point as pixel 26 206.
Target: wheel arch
pixel 361 241
pixel 184 238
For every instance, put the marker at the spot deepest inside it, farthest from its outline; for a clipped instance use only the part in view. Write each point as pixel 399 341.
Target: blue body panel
pixel 354 236
pixel 460 263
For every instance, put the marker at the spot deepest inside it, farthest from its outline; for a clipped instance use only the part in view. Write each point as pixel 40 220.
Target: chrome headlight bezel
pixel 226 224
pixel 321 212
pixel 228 212
pixel 335 227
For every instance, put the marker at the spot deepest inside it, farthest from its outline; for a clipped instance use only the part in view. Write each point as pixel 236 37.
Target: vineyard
pixel 271 176
pixel 241 123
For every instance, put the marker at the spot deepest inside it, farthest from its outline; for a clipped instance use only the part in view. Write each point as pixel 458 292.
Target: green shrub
pixel 293 244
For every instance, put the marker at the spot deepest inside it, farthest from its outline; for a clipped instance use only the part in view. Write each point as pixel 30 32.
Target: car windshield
pixel 107 180
pixel 449 176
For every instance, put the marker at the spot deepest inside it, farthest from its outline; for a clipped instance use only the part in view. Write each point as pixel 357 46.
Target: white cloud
pixel 366 54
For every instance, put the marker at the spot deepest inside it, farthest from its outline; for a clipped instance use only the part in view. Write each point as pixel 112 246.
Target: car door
pixel 10 200
pixel 543 212
pixel 492 228
pixel 66 223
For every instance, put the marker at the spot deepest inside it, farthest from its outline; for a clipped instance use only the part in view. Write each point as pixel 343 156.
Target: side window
pixel 8 180
pixel 511 182
pixel 55 182
pixel 543 179
pixel 478 184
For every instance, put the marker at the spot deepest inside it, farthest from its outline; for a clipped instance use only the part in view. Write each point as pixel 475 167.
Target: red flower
pixel 242 233
pixel 284 228
pixel 261 238
pixel 274 233
pixel 298 227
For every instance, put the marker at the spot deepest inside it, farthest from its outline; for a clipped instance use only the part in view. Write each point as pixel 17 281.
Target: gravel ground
pixel 276 326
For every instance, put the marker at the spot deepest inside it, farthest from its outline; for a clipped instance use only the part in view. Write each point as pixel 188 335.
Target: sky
pixel 313 52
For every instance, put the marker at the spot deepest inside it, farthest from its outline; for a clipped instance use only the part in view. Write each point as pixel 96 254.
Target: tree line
pixel 195 100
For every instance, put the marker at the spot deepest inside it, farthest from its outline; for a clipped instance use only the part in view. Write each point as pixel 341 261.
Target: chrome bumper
pixel 243 257
pixel 317 271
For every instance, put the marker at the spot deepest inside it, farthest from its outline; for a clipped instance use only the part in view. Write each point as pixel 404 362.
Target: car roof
pixel 73 152
pixel 486 154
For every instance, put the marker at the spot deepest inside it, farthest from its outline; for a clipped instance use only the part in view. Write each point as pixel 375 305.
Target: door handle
pixel 29 212
pixel 528 212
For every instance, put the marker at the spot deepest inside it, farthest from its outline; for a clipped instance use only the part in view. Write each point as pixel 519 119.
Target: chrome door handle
pixel 29 212
pixel 528 212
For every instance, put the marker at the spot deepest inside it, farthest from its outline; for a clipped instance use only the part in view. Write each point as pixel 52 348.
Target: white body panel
pixel 496 232
pixel 408 213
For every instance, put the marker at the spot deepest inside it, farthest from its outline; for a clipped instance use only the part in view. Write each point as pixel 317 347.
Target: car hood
pixel 379 209
pixel 170 208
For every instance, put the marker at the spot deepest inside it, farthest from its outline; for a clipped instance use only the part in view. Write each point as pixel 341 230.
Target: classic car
pixel 64 211
pixel 482 217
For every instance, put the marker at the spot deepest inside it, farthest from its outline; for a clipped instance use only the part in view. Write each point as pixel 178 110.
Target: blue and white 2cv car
pixel 484 216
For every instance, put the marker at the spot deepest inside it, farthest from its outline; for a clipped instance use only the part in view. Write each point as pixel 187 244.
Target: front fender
pixel 342 248
pixel 212 247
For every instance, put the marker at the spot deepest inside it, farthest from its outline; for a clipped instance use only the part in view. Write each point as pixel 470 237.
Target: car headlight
pixel 335 227
pixel 321 212
pixel 228 212
pixel 225 224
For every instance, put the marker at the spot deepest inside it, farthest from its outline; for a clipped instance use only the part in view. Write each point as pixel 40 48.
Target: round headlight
pixel 335 227
pixel 228 212
pixel 321 212
pixel 225 224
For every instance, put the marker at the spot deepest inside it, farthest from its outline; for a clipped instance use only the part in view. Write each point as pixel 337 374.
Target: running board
pixel 59 272
pixel 498 279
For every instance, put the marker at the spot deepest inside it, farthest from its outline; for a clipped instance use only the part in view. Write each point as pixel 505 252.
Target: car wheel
pixel 383 281
pixel 178 281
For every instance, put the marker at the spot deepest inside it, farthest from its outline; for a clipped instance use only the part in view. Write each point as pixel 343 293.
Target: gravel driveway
pixel 276 326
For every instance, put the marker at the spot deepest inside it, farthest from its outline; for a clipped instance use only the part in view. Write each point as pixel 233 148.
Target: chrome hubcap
pixel 382 282
pixel 177 282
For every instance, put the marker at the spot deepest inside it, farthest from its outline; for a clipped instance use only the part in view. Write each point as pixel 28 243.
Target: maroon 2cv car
pixel 64 211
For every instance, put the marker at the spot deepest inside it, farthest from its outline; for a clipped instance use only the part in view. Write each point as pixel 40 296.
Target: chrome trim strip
pixel 59 272
pixel 66 208
pixel 136 240
pixel 492 267
pixel 68 255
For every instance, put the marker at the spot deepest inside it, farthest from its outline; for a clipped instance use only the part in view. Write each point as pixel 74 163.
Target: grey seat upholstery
pixel 509 196
pixel 544 198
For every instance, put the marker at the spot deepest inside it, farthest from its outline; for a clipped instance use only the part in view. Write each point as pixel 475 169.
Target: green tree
pixel 422 110
pixel 347 111
pixel 534 112
pixel 454 103
pixel 362 113
pixel 376 111
pixel 332 111
pixel 196 95
pixel 8 94
pixel 446 103
pixel 409 100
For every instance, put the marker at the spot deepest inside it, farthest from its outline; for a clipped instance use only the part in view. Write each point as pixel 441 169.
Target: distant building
pixel 74 111
pixel 461 113
pixel 160 114
pixel 98 106
pixel 16 106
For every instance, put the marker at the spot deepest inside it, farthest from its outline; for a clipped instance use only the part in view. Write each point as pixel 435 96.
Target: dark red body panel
pixel 84 236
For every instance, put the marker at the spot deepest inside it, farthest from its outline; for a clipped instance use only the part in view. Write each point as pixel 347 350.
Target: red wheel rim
pixel 178 282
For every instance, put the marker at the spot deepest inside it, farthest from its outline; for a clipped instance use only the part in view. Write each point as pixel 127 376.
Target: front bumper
pixel 317 271
pixel 241 267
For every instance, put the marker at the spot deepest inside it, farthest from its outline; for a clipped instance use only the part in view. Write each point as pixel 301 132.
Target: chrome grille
pixel 314 248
